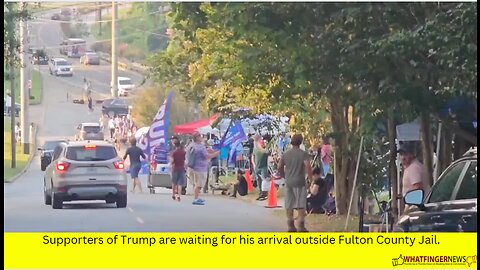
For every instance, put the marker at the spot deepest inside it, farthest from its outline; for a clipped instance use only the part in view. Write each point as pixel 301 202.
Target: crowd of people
pixel 119 128
pixel 308 175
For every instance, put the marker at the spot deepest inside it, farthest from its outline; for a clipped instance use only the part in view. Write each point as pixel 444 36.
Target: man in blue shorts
pixel 135 152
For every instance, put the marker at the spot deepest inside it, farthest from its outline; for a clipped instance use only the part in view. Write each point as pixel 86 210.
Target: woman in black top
pixel 318 193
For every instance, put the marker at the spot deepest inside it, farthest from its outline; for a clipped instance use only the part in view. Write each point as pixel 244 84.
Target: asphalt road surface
pixel 57 117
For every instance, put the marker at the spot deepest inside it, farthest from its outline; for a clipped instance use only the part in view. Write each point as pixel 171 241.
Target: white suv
pixel 85 171
pixel 60 67
pixel 125 85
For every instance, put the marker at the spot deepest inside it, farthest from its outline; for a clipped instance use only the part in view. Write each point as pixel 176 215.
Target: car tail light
pixel 90 146
pixel 62 166
pixel 122 188
pixel 119 165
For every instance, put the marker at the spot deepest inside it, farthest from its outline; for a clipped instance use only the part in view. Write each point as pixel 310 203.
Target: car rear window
pixel 125 82
pixel 92 153
pixel 90 129
pixel 63 63
pixel 51 145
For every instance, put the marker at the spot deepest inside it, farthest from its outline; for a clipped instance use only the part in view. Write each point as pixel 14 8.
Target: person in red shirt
pixel 178 170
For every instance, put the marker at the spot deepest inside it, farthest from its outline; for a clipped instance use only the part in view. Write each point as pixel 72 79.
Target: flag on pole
pixel 157 135
pixel 234 135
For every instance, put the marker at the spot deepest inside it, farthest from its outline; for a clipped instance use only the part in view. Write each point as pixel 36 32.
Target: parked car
pixel 85 171
pixel 39 57
pixel 60 67
pixel 114 107
pixel 17 108
pixel 125 85
pixel 46 152
pixel 89 131
pixel 450 206
pixel 90 58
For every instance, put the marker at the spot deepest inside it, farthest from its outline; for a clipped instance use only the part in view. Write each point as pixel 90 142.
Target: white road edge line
pixel 139 220
pixel 130 209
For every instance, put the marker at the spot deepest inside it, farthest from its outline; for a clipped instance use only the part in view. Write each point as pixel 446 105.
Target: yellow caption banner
pixel 239 250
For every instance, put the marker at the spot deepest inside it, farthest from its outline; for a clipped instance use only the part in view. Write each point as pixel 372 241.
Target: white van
pixel 125 85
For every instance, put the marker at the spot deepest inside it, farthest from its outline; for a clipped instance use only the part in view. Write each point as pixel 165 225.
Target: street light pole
pixel 114 85
pixel 24 95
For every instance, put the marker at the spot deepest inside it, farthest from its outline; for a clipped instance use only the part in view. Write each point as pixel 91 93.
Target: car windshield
pixel 91 129
pixel 95 153
pixel 51 145
pixel 62 63
pixel 125 82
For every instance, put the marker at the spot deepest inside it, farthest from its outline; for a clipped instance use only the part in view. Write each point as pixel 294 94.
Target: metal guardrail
pixel 125 65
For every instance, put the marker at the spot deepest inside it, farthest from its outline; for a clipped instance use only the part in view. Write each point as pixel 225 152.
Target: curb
pixel 29 161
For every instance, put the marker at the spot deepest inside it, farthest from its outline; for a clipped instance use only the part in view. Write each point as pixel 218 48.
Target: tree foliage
pixel 339 67
pixel 12 14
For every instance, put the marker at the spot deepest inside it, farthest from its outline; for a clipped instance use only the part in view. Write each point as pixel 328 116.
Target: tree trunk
pixel 392 164
pixel 445 156
pixel 340 126
pixel 427 145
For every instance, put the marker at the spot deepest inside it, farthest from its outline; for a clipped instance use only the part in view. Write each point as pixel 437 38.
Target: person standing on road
pixel 178 170
pixel 135 152
pixel 90 104
pixel 198 160
pixel 293 166
pixel 111 126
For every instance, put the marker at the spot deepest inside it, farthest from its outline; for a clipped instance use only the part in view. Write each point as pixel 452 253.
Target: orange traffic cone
pixel 272 196
pixel 249 180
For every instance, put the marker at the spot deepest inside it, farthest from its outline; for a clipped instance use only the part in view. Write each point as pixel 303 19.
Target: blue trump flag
pixel 156 139
pixel 234 135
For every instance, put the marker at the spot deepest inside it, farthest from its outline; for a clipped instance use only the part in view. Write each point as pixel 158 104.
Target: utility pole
pixel 12 111
pixel 24 93
pixel 99 18
pixel 114 51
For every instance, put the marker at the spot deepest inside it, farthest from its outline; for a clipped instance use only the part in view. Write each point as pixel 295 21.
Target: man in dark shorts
pixel 178 170
pixel 135 152
pixel 293 166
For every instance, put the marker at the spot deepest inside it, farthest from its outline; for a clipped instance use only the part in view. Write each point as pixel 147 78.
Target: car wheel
pixel 47 198
pixel 57 202
pixel 110 201
pixel 122 201
pixel 111 113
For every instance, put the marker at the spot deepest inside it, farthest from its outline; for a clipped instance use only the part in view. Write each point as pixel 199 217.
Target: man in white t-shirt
pixel 414 173
pixel 8 102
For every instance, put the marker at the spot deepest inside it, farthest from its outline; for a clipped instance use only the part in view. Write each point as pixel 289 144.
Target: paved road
pixel 23 199
pixel 47 33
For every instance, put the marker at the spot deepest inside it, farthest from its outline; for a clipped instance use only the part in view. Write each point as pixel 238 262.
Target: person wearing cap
pixel 414 173
pixel 293 166
pixel 199 166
